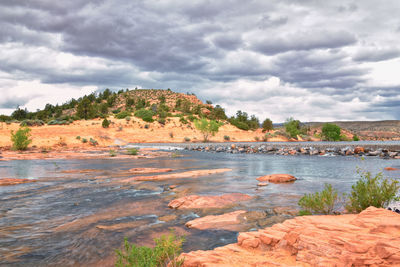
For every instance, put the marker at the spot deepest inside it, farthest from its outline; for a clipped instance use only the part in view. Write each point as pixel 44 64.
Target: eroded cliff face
pixel 371 238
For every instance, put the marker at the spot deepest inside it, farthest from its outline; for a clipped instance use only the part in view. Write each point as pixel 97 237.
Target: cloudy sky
pixel 310 59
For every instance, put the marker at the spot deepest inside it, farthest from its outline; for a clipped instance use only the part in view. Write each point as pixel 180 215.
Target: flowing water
pixel 79 219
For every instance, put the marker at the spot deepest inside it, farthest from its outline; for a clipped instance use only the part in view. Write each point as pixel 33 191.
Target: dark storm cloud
pixel 13 102
pixel 316 48
pixel 304 41
pixel 375 55
pixel 309 70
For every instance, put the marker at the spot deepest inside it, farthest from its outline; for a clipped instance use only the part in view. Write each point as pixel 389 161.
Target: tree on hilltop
pixel 267 125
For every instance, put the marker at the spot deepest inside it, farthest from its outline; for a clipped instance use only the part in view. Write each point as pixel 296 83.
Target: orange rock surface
pixel 391 169
pixel 358 150
pixel 178 175
pixel 228 221
pixel 201 202
pixel 371 238
pixel 277 178
pixel 148 170
pixel 13 181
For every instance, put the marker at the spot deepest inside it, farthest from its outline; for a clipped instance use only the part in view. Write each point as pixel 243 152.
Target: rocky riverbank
pixel 329 149
pixel 366 239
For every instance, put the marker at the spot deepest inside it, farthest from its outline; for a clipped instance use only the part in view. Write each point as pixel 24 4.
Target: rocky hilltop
pixel 371 238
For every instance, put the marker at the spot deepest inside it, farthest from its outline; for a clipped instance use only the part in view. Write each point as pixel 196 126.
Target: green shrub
pixel 227 138
pixel 344 138
pixel 93 142
pixel 31 123
pixel 191 118
pixel 183 120
pixel 161 121
pixel 113 153
pixel 356 138
pixel 58 122
pixel 123 114
pixel 371 191
pixel 78 138
pixel 105 123
pixel 84 140
pixel 20 139
pixel 166 251
pixel 292 127
pixel 256 138
pixel 144 114
pixel 132 151
pixel 324 202
pixel 186 139
pixel 331 132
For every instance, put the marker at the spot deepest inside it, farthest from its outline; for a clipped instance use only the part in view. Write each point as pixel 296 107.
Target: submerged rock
pixel 148 170
pixel 391 169
pixel 14 181
pixel 203 202
pixel 370 238
pixel 277 178
pixel 228 221
pixel 177 175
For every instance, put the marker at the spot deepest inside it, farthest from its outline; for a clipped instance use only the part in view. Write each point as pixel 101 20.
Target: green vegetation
pixel 227 138
pixel 267 125
pixel 123 114
pixel 292 127
pixel 166 251
pixel 145 114
pixel 243 122
pixel 31 123
pixel 331 132
pixel 105 123
pixel 93 142
pixel 113 153
pixel 323 202
pixel 267 136
pixel 356 138
pixel 207 127
pixel 186 139
pixel 20 139
pixel 132 151
pixel 371 191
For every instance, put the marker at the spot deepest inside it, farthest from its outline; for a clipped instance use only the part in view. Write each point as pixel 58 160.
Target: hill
pixel 368 130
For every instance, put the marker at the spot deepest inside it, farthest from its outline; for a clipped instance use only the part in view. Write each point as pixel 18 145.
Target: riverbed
pixel 77 212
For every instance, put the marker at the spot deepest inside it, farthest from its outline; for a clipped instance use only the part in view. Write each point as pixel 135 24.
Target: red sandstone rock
pixel 13 181
pixel 205 111
pixel 228 221
pixel 277 178
pixel 371 238
pixel 178 175
pixel 202 202
pixel 359 149
pixel 391 169
pixel 148 170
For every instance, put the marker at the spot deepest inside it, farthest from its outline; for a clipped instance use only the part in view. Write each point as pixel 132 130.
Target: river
pixel 67 218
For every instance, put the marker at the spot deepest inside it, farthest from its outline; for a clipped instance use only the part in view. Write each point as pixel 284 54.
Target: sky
pixel 308 59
